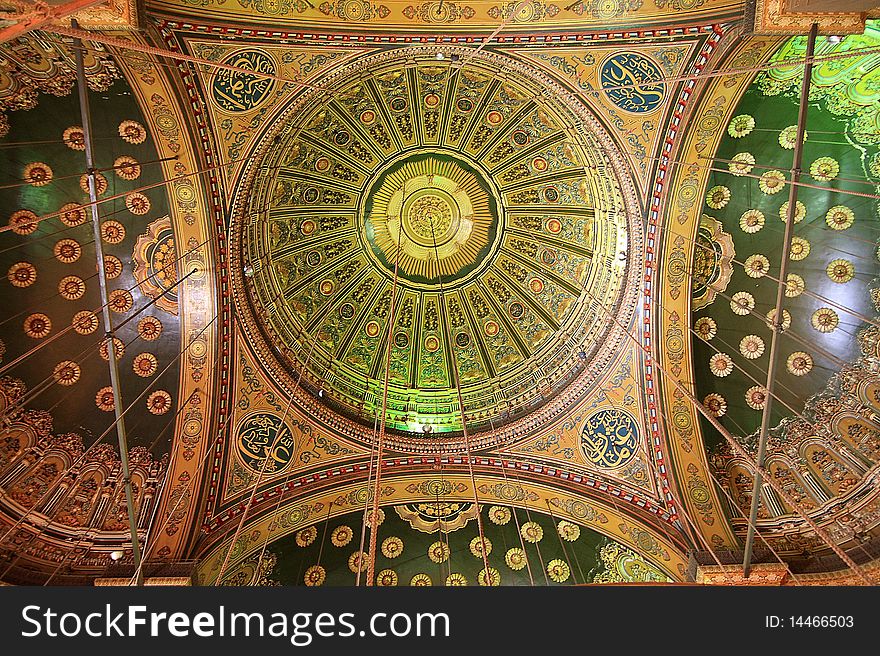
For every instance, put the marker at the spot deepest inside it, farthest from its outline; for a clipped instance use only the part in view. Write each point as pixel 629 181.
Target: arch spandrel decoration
pixel 637 133
pixel 562 442
pixel 240 114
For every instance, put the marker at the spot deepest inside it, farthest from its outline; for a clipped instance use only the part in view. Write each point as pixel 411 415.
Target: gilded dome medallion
pixel 437 211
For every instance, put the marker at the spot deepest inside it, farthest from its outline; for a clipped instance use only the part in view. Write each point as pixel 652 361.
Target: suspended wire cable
pixel 184 487
pixel 80 358
pixel 691 530
pixel 735 505
pixel 461 406
pixel 796 337
pixel 790 333
pixel 522 545
pixel 41 303
pixel 100 201
pixel 38 237
pixel 787 332
pixel 808 185
pixel 269 451
pixel 48 258
pixel 269 529
pixel 688 533
pixel 148 544
pixel 536 543
pixel 715 158
pixel 374 528
pixel 22 182
pixel 561 542
pixel 757 532
pixel 148 532
pixel 833 245
pixel 324 536
pixel 367 497
pixel 19 144
pixel 673 233
pixel 437 490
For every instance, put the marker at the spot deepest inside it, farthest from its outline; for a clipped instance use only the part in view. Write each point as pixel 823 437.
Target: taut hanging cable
pixel 864 181
pixel 561 542
pixel 95 202
pixel 806 292
pixel 25 183
pixel 185 488
pixel 807 185
pixel 41 303
pixel 522 543
pixel 444 535
pixel 457 381
pixel 80 358
pixel 37 237
pixel 269 529
pixel 367 496
pixel 374 525
pixel 735 505
pixel 823 227
pixel 781 287
pixel 673 233
pixel 12 363
pixel 787 332
pixel 108 323
pixel 250 500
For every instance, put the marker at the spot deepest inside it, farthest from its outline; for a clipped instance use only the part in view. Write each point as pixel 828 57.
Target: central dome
pixel 433 215
pixel 501 202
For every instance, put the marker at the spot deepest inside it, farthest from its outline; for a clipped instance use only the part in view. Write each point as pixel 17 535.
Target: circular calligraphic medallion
pixel 609 438
pixel 264 442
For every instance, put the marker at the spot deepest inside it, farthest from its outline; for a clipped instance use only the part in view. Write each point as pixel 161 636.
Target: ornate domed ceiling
pixel 496 209
pixel 465 212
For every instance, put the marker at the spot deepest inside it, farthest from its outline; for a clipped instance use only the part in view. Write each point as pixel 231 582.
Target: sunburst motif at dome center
pixel 438 211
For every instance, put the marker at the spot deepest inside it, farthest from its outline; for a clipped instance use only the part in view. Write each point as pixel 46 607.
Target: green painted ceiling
pixel 36 137
pixel 446 555
pixel 501 214
pixel 837 261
